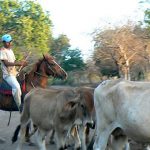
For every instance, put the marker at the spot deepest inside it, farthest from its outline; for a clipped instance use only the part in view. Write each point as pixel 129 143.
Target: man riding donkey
pixel 8 66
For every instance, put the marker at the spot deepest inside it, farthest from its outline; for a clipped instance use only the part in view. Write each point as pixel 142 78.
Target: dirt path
pixel 6 133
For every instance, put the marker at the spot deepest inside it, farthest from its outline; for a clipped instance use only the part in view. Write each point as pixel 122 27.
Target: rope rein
pixel 41 74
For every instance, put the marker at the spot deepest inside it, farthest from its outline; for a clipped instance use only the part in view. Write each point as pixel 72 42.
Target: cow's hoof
pixel 67 146
pixel 51 142
pixel 28 141
pixel 61 148
pixel 78 148
pixel 2 140
pixel 31 144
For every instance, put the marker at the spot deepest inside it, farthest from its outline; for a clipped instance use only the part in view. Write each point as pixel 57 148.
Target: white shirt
pixel 7 54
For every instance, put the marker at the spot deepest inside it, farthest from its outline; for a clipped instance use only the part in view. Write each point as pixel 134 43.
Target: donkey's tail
pixel 15 136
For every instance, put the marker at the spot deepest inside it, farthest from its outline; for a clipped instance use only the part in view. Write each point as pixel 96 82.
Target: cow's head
pixel 83 115
pixel 75 109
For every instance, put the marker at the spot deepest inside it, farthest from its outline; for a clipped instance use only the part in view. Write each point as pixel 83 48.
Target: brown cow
pixel 87 95
pixel 80 133
pixel 53 109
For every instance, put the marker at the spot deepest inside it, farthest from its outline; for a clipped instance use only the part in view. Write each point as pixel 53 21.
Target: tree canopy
pixel 70 59
pixel 119 51
pixel 28 24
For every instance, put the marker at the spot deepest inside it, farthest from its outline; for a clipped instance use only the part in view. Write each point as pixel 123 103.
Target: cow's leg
pixel 82 130
pixel 101 139
pixel 103 132
pixel 148 147
pixel 127 146
pixel 75 135
pixel 52 137
pixel 60 137
pixel 27 137
pixel 87 132
pixel 21 139
pixel 119 141
pixel 40 139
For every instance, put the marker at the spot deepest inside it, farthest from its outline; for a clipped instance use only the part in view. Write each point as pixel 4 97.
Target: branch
pixel 132 56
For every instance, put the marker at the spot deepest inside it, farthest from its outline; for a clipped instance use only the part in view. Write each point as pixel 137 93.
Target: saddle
pixel 6 89
pixel 9 104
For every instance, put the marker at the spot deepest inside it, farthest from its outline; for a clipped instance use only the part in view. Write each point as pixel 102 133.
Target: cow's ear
pixel 68 110
pixel 70 105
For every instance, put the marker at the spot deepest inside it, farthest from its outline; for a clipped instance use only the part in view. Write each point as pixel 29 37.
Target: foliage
pixel 29 26
pixel 69 81
pixel 60 43
pixel 70 59
pixel 118 50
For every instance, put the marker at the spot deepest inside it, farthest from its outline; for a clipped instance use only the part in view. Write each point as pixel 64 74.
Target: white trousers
pixel 16 90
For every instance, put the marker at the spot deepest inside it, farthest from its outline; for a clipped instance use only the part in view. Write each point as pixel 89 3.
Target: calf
pixel 52 110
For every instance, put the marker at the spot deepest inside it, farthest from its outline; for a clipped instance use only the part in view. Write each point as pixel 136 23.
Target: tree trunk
pixel 127 71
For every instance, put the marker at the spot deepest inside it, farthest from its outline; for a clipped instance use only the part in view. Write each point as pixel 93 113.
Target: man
pixel 8 63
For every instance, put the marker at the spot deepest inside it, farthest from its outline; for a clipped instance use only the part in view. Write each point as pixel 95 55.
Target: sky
pixel 79 18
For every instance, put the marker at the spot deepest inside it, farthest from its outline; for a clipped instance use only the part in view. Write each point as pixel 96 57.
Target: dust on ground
pixel 6 133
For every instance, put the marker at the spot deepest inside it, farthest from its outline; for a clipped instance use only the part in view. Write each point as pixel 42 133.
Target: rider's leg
pixel 16 90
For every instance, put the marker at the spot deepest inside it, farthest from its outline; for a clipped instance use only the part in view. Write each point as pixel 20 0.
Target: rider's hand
pixel 23 63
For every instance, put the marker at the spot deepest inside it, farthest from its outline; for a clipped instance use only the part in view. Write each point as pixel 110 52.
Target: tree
pixel 72 60
pixel 120 48
pixel 58 46
pixel 28 24
pixel 60 43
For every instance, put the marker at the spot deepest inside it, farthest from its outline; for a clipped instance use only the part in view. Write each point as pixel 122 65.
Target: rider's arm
pixel 7 64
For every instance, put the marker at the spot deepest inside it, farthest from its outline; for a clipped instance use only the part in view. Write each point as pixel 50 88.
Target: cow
pixel 80 133
pixel 124 105
pixel 52 109
pixel 83 130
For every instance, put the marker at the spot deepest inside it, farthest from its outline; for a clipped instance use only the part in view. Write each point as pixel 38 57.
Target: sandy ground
pixel 6 133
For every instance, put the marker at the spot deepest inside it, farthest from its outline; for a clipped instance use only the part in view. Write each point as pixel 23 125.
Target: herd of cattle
pixel 118 109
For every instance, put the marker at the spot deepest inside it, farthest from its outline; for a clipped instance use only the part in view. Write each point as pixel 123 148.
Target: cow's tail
pixel 15 136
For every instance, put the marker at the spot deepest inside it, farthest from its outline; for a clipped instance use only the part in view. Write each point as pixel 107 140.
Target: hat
pixel 6 38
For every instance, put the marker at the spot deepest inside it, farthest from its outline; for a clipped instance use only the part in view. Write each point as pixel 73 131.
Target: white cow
pixel 125 105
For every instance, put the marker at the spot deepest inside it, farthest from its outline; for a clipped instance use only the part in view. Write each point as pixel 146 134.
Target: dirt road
pixel 6 133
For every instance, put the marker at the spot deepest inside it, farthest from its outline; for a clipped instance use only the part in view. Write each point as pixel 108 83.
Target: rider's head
pixel 6 39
